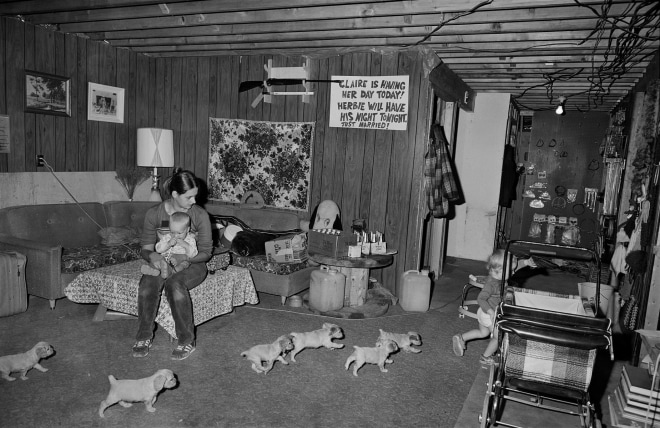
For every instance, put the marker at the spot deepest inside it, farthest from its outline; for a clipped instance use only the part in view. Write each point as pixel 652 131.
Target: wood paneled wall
pixel 371 174
pixel 70 143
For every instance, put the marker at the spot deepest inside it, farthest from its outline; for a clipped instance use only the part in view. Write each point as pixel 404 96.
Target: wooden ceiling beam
pixel 478 30
pixel 282 16
pixel 131 20
pixel 624 82
pixel 474 23
pixel 468 75
pixel 476 51
pixel 53 12
pixel 563 34
pixel 548 37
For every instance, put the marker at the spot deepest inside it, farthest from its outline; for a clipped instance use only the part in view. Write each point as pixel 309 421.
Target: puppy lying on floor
pixel 128 391
pixel 268 353
pixel 404 341
pixel 24 362
pixel 316 339
pixel 377 355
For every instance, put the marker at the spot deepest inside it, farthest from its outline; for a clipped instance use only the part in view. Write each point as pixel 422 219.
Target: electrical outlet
pixel 40 160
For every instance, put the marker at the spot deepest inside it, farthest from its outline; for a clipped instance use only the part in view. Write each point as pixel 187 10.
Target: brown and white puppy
pixel 268 353
pixel 128 391
pixel 24 362
pixel 403 340
pixel 317 338
pixel 376 355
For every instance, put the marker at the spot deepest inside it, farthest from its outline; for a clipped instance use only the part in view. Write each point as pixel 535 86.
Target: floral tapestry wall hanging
pixel 271 158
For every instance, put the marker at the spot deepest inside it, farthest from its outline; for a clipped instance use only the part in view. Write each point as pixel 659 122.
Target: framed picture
pixel 105 103
pixel 47 93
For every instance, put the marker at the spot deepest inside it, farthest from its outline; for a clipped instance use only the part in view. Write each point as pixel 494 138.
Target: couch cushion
pixel 84 258
pixel 127 213
pixel 260 263
pixel 67 225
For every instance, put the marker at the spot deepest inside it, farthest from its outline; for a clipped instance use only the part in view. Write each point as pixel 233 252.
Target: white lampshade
pixel 155 147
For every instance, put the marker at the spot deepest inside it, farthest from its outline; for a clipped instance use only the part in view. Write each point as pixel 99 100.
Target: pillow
pixel 113 236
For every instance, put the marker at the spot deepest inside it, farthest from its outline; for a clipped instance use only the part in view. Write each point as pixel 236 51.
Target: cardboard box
pixel 287 249
pixel 330 245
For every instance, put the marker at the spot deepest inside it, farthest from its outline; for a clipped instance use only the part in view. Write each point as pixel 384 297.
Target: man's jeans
pixel 177 288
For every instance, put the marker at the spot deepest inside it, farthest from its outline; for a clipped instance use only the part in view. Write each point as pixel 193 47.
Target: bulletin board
pixel 563 179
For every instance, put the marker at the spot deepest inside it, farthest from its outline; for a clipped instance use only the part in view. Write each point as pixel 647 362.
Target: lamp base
pixel 155 195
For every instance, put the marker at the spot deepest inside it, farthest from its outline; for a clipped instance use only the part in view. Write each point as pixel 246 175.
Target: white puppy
pixel 268 353
pixel 377 355
pixel 404 341
pixel 316 339
pixel 25 361
pixel 128 391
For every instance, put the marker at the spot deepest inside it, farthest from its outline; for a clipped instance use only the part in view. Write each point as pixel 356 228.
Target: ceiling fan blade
pixel 250 84
pixel 257 100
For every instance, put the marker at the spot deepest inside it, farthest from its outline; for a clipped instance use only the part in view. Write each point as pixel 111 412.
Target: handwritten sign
pixel 369 102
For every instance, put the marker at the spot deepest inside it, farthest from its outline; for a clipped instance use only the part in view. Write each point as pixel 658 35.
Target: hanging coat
pixel 439 177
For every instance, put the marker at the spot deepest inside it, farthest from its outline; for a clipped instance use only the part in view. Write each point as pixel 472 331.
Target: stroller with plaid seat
pixel 547 344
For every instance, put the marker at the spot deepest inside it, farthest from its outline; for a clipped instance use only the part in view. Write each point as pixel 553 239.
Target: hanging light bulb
pixel 560 107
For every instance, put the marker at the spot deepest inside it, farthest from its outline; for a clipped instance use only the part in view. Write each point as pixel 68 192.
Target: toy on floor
pixel 474 282
pixel 404 341
pixel 268 353
pixel 317 338
pixel 24 362
pixel 376 355
pixel 128 391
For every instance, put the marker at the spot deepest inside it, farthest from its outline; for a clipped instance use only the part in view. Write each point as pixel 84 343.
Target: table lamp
pixel 155 149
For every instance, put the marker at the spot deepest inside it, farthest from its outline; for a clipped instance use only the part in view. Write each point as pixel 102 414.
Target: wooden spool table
pixel 356 270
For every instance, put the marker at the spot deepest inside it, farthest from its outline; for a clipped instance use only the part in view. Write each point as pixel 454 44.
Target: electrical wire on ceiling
pixel 636 27
pixel 453 18
pixel 626 36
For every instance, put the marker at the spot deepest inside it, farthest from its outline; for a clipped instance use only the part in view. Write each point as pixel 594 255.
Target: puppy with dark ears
pixel 24 362
pixel 128 391
pixel 317 338
pixel 268 353
pixel 376 355
pixel 405 341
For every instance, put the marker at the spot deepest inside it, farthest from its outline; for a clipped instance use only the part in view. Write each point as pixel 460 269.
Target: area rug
pixel 216 386
pixel 273 159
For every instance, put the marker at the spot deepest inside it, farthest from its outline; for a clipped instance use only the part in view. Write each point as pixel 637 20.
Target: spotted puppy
pixel 376 355
pixel 24 362
pixel 128 391
pixel 268 353
pixel 317 338
pixel 403 340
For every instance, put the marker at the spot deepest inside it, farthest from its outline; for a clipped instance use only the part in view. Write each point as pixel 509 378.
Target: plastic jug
pixel 326 290
pixel 415 291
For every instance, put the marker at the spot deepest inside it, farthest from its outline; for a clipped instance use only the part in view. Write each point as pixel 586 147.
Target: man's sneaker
pixel 486 361
pixel 141 348
pixel 181 352
pixel 459 345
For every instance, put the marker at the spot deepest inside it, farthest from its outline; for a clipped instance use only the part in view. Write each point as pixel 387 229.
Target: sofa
pixel 281 279
pixel 62 240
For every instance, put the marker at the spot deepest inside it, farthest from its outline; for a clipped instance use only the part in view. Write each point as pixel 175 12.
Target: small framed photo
pixel 105 103
pixel 47 93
